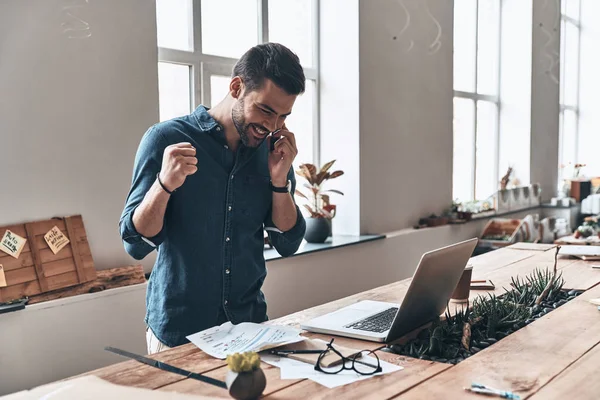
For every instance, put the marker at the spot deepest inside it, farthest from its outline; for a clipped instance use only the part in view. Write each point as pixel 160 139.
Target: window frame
pixel 475 96
pixel 564 20
pixel 202 65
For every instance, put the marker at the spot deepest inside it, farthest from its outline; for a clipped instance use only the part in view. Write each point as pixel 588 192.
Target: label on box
pixel 2 277
pixel 12 244
pixel 56 239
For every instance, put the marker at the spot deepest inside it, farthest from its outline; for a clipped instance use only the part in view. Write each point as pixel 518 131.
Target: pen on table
pixel 285 352
pixel 482 389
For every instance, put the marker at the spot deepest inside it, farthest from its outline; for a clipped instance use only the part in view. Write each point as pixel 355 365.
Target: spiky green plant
pixel 527 291
pixel 499 313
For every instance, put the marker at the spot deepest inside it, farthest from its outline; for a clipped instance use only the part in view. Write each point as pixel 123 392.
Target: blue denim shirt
pixel 210 250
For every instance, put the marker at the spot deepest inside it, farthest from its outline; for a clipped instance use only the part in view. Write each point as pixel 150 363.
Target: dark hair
pixel 271 61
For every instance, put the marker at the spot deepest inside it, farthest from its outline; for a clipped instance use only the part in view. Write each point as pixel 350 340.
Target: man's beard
pixel 237 115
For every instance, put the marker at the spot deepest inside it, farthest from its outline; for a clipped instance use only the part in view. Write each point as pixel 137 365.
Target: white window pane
pixel 219 87
pixel 487 122
pixel 571 59
pixel 295 33
pixel 301 123
pixel 588 144
pixel 572 8
pixel 173 90
pixel 563 51
pixel 569 138
pixel 488 46
pixel 561 155
pixel 463 157
pixel 174 24
pixel 229 27
pixel 465 23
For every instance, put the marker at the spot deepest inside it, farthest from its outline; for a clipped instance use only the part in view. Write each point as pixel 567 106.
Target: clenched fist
pixel 179 161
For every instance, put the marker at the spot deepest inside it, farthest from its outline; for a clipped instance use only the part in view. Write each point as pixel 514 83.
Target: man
pixel 203 186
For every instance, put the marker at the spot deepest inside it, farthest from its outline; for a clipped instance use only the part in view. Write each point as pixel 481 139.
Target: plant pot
pixel 437 221
pixel 515 201
pixel 246 385
pixel 465 215
pixel 526 197
pixel 317 230
pixel 504 200
pixel 536 194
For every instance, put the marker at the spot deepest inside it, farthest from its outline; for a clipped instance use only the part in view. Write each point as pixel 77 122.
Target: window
pixel 476 98
pixel 198 45
pixel 569 87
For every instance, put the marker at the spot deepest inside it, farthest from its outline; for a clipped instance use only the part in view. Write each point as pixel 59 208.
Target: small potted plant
pixel 588 228
pixel 245 379
pixel 321 211
pixel 437 220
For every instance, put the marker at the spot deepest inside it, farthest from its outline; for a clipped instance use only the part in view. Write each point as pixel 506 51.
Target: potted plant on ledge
pixel 318 225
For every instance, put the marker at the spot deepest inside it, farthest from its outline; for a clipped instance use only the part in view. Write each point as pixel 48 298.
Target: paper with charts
pixel 227 338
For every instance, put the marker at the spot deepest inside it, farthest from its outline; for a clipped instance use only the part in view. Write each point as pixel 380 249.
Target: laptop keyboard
pixel 380 322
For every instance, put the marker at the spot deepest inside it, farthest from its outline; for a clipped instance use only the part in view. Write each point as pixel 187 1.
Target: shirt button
pixel 218 129
pixel 231 176
pixel 227 271
pixel 225 302
pixel 229 208
pixel 226 146
pixel 227 239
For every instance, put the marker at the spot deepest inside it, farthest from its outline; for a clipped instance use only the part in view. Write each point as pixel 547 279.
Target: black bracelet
pixel 163 186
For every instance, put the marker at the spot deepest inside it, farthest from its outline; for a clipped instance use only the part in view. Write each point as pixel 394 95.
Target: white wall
pixel 72 111
pixel 49 341
pixel 405 112
pixel 545 96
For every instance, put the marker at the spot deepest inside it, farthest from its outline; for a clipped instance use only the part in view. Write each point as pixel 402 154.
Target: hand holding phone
pixel 282 152
pixel 272 140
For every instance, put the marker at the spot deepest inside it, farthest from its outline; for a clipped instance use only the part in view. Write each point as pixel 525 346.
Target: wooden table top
pixel 550 358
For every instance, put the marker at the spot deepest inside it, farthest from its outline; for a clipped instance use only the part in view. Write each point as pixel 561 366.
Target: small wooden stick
pixel 544 293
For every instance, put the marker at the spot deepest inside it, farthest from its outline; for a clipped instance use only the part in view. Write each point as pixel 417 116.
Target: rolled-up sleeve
pixel 147 164
pixel 287 243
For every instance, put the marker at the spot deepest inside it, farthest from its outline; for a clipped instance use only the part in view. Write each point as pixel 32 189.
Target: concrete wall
pixel 73 109
pixel 406 95
pixel 545 95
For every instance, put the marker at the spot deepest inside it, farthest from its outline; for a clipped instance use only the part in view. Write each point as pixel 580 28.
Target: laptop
pixel 426 299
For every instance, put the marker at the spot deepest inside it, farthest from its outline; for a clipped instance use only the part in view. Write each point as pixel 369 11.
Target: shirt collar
pixel 204 119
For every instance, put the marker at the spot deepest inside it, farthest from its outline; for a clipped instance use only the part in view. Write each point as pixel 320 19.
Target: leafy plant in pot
pixel 321 211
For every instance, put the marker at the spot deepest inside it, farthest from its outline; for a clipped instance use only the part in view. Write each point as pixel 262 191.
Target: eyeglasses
pixel 360 366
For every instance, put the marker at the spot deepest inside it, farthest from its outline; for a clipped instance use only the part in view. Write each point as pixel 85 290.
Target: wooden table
pixel 553 357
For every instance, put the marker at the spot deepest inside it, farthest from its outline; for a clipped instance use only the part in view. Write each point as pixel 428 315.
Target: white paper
pixel 294 369
pixel 579 251
pixel 226 339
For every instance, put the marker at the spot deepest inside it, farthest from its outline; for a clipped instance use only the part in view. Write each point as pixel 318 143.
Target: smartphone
pixel 273 141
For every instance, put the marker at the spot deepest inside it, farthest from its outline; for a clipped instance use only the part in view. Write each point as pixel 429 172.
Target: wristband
pixel 163 186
